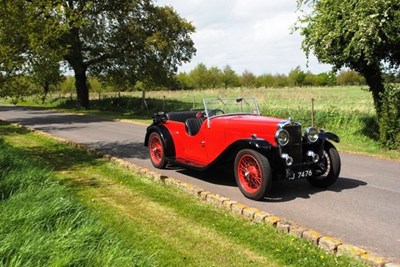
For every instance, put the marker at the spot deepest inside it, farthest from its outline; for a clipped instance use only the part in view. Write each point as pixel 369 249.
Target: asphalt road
pixel 362 208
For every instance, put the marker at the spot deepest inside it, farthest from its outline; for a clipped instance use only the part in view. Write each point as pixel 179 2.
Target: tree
pixel 199 76
pixel 362 35
pixel 214 76
pixel 68 86
pixel 248 79
pixel 296 77
pixel 184 80
pixel 349 77
pixel 46 72
pixel 118 40
pixel 321 79
pixel 229 77
pixel 266 80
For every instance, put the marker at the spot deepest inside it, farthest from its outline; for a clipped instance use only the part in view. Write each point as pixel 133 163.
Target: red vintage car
pixel 261 148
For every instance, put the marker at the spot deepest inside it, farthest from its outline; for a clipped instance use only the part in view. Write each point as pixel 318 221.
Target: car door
pixel 195 150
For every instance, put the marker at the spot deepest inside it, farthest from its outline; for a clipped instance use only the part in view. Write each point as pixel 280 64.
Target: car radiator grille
pixel 294 147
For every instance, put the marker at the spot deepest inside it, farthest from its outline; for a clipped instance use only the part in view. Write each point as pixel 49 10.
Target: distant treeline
pixel 202 77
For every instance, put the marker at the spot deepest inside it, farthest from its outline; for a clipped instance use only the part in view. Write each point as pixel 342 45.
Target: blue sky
pixel 253 35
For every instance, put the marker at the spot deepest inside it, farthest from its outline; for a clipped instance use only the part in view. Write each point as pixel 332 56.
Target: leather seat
pixel 193 125
pixel 181 116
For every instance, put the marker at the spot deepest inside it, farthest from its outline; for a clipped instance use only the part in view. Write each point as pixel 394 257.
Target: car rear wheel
pixel 332 165
pixel 157 151
pixel 253 173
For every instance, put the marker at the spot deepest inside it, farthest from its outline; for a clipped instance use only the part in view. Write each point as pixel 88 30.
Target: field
pixel 346 111
pixel 62 206
pixel 350 99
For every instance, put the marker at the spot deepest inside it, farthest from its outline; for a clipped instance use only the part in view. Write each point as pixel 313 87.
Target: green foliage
pixel 229 77
pixel 199 76
pixel 349 77
pixel 43 225
pixel 46 73
pixel 296 77
pixel 248 79
pixel 118 41
pixel 362 35
pixel 202 77
pixel 17 87
pixel 322 79
pixel 389 121
pixel 352 33
pixel 184 81
pixel 214 76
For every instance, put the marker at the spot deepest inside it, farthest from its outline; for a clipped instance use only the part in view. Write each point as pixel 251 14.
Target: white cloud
pixel 249 35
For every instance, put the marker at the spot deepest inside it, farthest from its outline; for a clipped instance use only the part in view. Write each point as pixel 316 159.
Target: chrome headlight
pixel 282 137
pixel 312 134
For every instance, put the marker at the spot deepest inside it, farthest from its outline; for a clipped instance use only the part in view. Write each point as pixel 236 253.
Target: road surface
pixel 362 208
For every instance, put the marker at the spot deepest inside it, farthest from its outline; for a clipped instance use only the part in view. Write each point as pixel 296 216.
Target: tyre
pixel 331 162
pixel 253 173
pixel 157 151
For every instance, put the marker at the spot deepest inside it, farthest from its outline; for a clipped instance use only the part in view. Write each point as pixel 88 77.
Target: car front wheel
pixel 332 165
pixel 253 173
pixel 157 151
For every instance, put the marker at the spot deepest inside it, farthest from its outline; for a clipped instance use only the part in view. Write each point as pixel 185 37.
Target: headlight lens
pixel 312 134
pixel 282 137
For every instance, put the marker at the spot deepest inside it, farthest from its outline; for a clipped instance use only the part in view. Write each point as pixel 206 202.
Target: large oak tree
pixel 363 35
pixel 122 41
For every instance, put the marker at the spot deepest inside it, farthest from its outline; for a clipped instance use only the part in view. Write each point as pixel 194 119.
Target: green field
pixel 346 111
pixel 63 207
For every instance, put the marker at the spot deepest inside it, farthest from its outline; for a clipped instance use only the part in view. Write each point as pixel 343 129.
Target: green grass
pixel 346 111
pixel 42 224
pixel 89 211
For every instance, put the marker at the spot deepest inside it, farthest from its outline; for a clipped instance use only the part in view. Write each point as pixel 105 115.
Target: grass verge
pixel 89 211
pixel 42 224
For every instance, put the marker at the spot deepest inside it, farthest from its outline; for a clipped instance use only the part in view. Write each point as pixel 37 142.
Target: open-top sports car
pixel 262 149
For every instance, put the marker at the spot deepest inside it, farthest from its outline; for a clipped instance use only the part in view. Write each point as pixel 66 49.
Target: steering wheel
pixel 215 112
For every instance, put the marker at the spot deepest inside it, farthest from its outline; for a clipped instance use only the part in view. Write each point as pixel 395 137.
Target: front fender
pixel 329 136
pixel 166 138
pixel 260 145
pixel 256 144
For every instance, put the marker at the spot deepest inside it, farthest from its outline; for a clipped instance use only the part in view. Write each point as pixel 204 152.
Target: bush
pixel 389 121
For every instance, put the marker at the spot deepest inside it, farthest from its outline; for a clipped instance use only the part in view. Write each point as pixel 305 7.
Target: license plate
pixel 301 174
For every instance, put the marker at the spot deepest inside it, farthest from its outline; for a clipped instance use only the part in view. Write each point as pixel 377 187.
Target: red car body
pixel 262 148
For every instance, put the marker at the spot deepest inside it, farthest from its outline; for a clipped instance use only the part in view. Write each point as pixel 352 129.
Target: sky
pixel 252 35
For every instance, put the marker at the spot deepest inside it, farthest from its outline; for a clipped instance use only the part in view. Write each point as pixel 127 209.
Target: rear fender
pixel 165 136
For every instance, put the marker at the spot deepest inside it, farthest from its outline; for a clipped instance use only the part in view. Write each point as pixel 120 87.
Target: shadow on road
pixel 40 116
pixel 221 175
pixel 58 119
pixel 123 149
pixel 283 191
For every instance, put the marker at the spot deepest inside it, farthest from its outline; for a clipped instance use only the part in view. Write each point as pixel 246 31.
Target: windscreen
pixel 220 106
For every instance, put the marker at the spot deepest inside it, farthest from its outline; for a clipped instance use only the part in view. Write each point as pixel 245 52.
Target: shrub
pixel 389 121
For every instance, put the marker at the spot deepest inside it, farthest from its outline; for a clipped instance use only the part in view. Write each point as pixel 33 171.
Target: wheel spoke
pixel 156 149
pixel 249 173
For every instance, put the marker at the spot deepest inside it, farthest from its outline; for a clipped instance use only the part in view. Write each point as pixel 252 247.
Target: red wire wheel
pixel 156 150
pixel 252 173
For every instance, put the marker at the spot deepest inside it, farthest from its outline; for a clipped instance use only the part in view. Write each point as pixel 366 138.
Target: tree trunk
pixel 82 90
pixel 46 88
pixel 374 79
